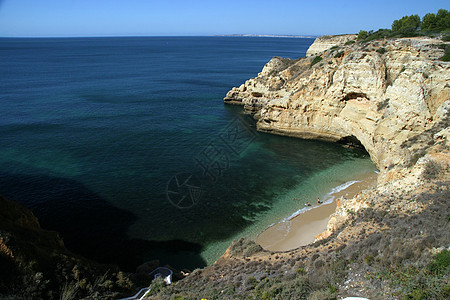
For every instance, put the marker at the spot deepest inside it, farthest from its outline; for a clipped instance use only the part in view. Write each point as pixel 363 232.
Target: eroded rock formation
pixel 384 93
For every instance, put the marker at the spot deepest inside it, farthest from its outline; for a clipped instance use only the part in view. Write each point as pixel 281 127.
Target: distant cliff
pixel 327 42
pixel 393 98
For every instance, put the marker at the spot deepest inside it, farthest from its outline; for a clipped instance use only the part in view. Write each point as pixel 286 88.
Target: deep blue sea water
pixel 93 132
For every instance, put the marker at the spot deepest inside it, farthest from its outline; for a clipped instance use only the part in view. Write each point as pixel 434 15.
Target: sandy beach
pixel 301 229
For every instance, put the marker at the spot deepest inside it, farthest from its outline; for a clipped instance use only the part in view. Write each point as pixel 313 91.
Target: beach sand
pixel 301 230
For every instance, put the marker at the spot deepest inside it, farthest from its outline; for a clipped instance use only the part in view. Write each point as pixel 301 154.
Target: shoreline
pixel 304 225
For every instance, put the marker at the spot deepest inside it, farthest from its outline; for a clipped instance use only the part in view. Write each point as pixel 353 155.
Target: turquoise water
pixel 93 132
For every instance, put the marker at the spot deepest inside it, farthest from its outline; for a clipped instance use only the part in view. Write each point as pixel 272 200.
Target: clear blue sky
pixel 202 17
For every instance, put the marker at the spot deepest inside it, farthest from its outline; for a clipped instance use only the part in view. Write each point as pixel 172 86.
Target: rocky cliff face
pixel 386 94
pixel 392 96
pixel 327 42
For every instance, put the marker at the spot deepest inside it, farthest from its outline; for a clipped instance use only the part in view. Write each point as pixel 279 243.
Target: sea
pixel 124 146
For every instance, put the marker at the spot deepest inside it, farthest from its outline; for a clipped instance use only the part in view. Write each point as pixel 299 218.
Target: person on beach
pixel 318 201
pixel 308 204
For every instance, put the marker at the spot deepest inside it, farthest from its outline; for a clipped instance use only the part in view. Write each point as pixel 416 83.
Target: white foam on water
pixel 343 186
pixel 329 198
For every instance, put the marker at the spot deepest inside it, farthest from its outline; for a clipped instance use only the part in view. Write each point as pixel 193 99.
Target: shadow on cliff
pixel 91 226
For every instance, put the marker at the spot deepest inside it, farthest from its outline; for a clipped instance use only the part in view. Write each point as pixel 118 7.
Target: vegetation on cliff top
pixel 409 26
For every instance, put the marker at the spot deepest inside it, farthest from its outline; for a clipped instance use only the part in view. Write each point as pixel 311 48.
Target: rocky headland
pixel 391 97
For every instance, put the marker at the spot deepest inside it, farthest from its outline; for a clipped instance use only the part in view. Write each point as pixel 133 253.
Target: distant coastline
pixel 159 36
pixel 270 35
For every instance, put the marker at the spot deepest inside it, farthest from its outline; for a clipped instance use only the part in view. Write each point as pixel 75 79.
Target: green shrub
pixel 295 288
pixel 349 43
pixel 446 56
pixel 251 281
pixel 157 285
pixel 244 247
pixel 315 60
pixel 368 259
pixel 252 249
pixel 339 54
pixel 431 170
pixel 381 50
pixel 417 282
pixel 301 271
pixel 321 295
pixel 362 35
pixel 441 263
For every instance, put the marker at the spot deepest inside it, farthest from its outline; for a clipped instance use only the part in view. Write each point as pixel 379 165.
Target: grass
pixel 68 291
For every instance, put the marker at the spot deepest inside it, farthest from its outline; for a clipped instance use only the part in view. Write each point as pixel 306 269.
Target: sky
pixel 55 18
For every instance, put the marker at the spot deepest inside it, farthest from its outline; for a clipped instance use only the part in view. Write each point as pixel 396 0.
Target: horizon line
pixel 186 35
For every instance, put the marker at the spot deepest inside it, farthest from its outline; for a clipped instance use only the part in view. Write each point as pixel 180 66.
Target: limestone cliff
pixel 386 94
pixel 393 96
pixel 326 42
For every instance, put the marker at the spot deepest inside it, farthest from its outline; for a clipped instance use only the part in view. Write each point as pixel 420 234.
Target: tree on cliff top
pixel 436 22
pixel 362 35
pixel 431 24
pixel 406 25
